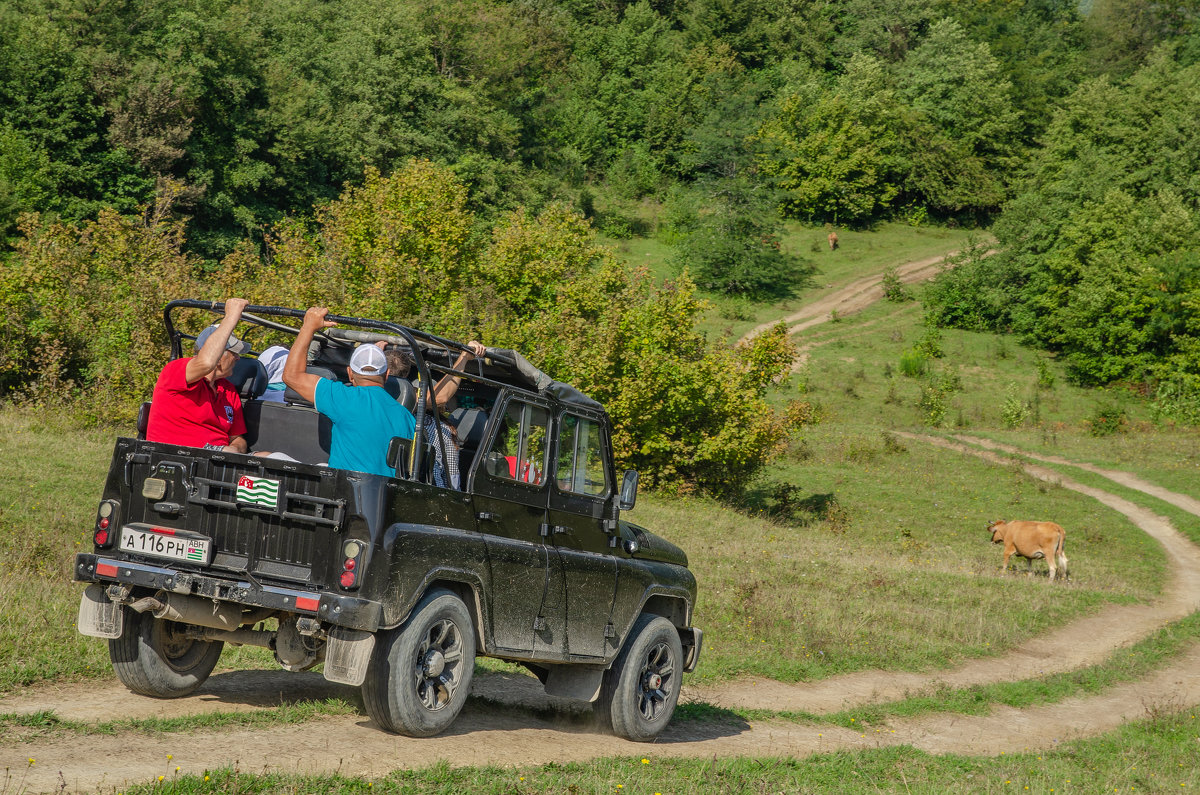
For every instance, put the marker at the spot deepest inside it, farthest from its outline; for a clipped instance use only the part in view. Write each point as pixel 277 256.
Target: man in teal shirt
pixel 365 417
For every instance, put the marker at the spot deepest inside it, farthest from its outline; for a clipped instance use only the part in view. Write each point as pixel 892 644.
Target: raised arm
pixel 208 357
pixel 448 384
pixel 295 374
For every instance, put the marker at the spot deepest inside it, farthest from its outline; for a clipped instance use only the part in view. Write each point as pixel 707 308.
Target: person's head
pixel 234 348
pixel 399 360
pixel 368 365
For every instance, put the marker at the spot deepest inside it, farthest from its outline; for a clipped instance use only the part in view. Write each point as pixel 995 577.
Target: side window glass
pixel 581 461
pixel 519 449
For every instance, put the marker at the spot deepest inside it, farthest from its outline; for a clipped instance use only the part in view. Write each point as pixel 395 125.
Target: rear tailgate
pixel 271 519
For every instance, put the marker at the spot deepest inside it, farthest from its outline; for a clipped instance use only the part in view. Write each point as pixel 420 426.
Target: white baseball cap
pixel 368 360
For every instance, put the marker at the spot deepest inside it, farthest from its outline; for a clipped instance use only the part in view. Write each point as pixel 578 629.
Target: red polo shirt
pixel 193 415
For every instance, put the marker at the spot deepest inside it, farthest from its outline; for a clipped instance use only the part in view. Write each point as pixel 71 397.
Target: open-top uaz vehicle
pixel 393 583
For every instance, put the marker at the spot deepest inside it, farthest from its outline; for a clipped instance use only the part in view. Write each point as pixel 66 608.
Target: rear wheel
pixel 640 691
pixel 421 672
pixel 155 657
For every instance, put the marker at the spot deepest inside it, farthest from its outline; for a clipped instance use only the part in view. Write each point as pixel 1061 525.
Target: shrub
pixel 1107 419
pixel 82 307
pixel 1015 411
pixel 893 289
pixel 913 363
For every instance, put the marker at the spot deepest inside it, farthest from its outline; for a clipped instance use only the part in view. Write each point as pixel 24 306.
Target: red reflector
pixel 347 579
pixel 307 603
pixel 104 523
pixel 164 530
pixel 101 537
pixel 349 564
pixel 107 569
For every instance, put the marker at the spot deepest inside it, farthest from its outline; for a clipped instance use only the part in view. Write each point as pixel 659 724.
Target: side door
pixel 580 501
pixel 510 494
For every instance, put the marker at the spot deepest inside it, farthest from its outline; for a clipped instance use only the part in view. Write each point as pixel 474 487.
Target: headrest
pixel 249 378
pixel 292 396
pixel 470 424
pixel 403 391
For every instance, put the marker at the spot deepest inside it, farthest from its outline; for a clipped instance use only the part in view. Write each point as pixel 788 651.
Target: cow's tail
pixel 1060 552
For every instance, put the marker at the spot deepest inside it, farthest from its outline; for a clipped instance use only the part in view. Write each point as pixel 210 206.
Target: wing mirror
pixel 629 485
pixel 496 465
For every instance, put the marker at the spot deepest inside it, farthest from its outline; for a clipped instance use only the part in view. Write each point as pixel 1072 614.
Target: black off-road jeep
pixel 393 583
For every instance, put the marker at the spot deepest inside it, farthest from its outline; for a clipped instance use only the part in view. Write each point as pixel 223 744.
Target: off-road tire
pixel 639 692
pixel 420 673
pixel 153 657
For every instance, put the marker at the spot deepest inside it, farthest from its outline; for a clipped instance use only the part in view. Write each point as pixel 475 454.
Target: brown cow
pixel 833 243
pixel 1032 540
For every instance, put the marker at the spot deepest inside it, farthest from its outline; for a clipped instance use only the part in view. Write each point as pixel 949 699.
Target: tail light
pixel 352 553
pixel 107 517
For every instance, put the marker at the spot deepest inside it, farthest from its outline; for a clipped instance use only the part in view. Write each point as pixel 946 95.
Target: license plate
pixel 141 542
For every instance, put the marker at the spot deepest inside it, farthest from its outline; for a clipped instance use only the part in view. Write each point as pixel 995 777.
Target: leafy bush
pixel 82 308
pixel 1015 411
pixel 913 363
pixel 1107 419
pixel 732 246
pixel 893 289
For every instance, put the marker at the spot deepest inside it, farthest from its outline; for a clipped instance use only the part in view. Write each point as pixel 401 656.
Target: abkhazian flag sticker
pixel 258 491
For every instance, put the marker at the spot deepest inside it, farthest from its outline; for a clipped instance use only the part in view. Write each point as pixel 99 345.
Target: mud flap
pixel 574 681
pixel 99 617
pixel 347 655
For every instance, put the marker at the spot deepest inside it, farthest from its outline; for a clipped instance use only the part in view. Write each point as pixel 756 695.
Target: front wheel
pixel 155 657
pixel 640 690
pixel 421 672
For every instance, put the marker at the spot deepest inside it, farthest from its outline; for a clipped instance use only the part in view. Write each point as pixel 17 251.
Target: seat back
pixel 300 431
pixel 249 378
pixel 403 391
pixel 143 420
pixel 292 397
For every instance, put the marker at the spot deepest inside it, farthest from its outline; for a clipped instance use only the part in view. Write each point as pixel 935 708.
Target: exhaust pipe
pixel 201 612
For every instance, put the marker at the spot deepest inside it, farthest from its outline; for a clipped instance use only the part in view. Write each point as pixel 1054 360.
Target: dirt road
pixel 505 723
pixel 854 297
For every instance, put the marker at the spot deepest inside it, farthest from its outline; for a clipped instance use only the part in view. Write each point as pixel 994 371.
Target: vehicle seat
pixel 292 397
pixel 403 391
pixel 143 420
pixel 249 378
pixel 470 424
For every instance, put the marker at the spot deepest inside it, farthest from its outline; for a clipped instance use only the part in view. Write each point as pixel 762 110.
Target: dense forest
pixel 447 163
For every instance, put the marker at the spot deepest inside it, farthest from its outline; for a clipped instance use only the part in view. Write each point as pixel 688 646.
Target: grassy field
pixel 857 549
pixel 858 253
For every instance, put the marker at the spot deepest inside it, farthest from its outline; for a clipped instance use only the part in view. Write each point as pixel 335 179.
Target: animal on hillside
pixel 1032 540
pixel 833 243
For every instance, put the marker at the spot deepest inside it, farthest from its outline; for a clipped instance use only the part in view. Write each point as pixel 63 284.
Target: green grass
pixel 1154 755
pixel 860 252
pixel 24 728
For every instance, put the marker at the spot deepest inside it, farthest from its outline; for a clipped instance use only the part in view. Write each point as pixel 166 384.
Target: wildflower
pixel 177 768
pixel 169 757
pixel 645 761
pixel 160 778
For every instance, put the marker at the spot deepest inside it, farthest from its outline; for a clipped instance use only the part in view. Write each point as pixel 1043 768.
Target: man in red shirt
pixel 193 403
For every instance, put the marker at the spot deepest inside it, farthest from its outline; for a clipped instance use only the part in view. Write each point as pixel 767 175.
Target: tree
pixel 831 150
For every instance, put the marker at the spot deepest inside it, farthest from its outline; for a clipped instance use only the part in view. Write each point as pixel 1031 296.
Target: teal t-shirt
pixel 365 418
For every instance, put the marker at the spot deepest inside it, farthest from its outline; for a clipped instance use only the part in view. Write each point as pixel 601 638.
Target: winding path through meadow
pixel 507 725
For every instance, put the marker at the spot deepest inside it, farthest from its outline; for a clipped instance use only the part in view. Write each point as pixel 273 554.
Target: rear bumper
pixel 344 611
